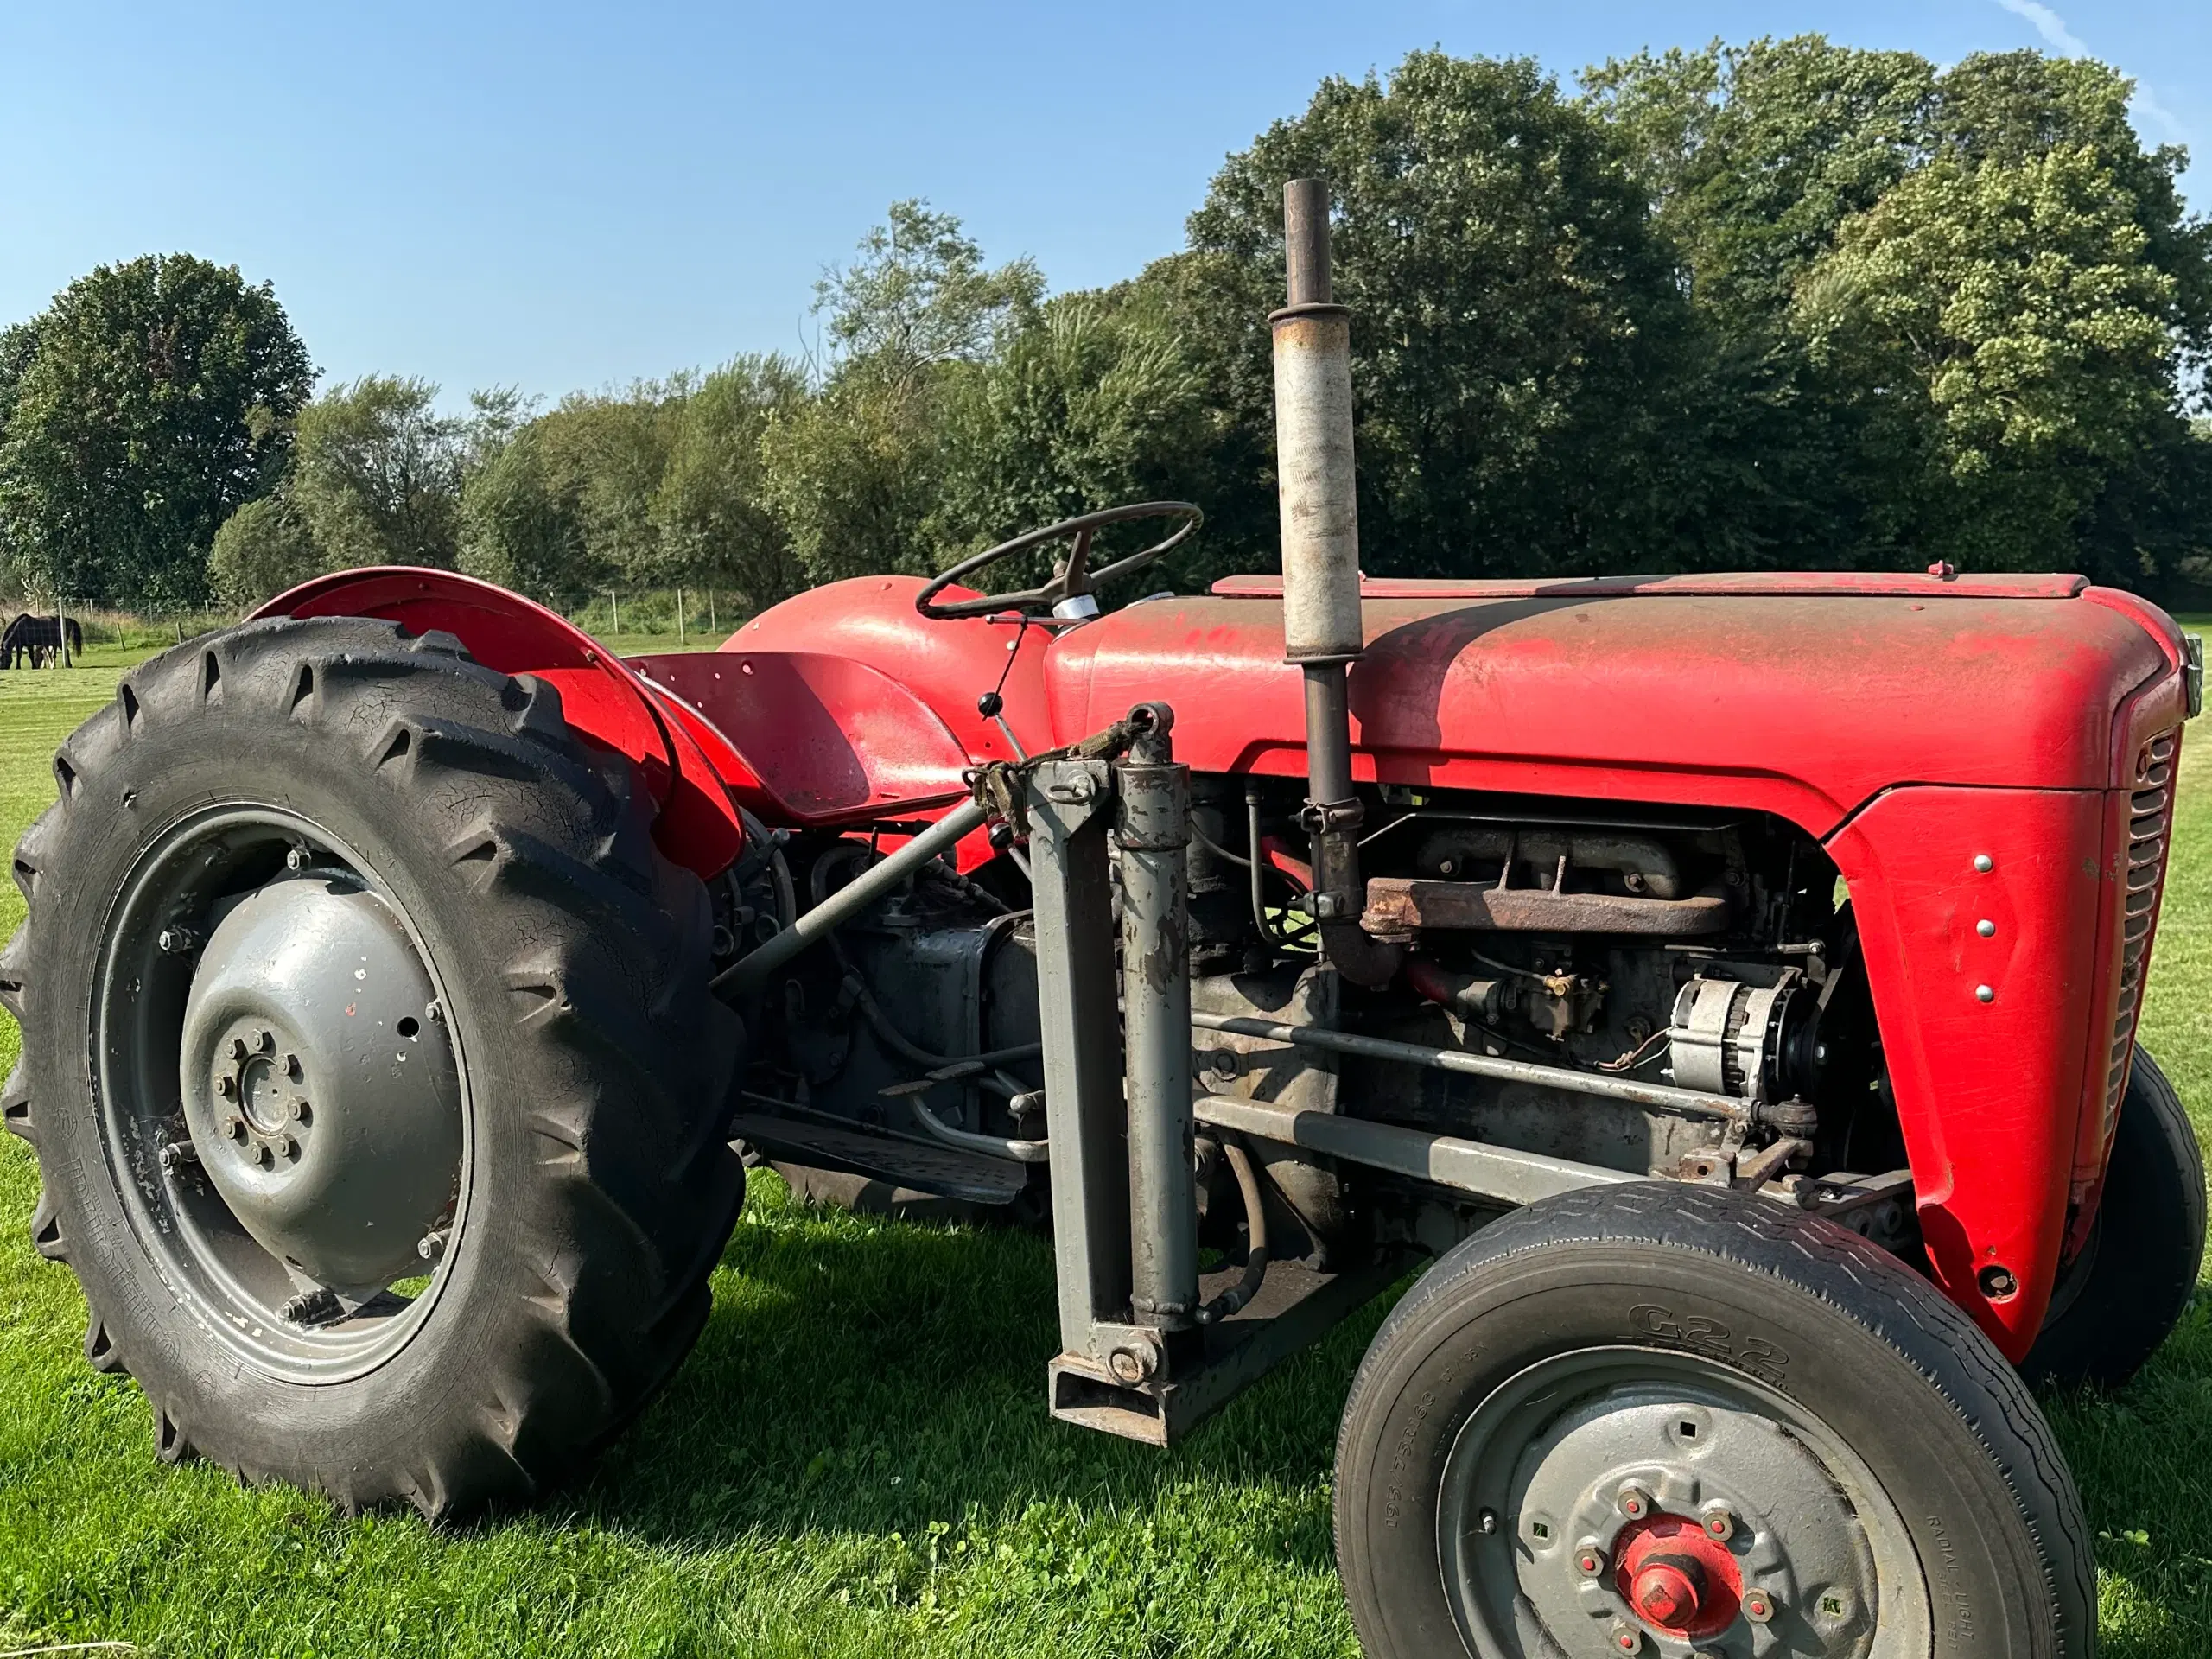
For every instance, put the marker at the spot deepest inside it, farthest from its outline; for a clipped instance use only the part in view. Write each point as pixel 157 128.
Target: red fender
pixel 696 823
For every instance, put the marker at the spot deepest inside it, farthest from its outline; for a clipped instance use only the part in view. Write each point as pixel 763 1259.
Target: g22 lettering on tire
pixel 1665 1420
pixel 377 1095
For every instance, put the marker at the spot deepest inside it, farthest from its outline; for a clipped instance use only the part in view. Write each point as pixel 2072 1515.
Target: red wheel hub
pixel 1678 1579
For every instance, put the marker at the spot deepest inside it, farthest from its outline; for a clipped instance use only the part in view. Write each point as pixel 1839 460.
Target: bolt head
pixel 296 859
pixel 1984 862
pixel 1625 1638
pixel 1590 1562
pixel 1984 992
pixel 268 1041
pixel 1634 1500
pixel 1486 1523
pixel 1758 1607
pixel 226 1085
pixel 1986 928
pixel 235 1127
pixel 239 1050
pixel 172 1159
pixel 262 1155
pixel 1719 1522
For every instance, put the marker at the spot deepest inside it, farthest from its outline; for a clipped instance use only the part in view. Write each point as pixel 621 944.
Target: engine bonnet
pixel 1805 694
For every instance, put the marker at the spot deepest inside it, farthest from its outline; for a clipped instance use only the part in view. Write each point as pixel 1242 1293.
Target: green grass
pixel 857 1459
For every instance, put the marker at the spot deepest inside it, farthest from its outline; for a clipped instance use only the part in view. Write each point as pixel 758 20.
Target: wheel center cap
pixel 264 1097
pixel 1680 1581
pixel 1666 1591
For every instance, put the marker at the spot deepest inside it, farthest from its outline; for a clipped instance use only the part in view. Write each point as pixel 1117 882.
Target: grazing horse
pixel 37 637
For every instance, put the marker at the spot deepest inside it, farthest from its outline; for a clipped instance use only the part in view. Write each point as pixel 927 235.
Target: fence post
pixel 679 619
pixel 711 629
pixel 615 605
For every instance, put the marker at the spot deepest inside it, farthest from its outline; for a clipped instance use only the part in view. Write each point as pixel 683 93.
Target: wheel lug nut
pixel 1720 1522
pixel 262 1155
pixel 235 1127
pixel 1590 1562
pixel 296 859
pixel 226 1085
pixel 292 1067
pixel 1634 1500
pixel 268 1042
pixel 1758 1607
pixel 239 1050
pixel 1625 1638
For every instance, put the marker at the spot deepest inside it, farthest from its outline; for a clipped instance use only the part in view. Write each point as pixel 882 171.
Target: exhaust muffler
pixel 1317 495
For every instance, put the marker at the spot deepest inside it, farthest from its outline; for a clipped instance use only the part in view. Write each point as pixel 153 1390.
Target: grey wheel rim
pixel 1603 1474
pixel 282 1096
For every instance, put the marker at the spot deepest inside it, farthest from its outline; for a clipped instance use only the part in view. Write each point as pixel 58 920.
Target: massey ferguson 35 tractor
pixel 1731 980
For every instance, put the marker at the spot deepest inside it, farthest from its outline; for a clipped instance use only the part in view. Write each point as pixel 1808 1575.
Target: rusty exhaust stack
pixel 1317 495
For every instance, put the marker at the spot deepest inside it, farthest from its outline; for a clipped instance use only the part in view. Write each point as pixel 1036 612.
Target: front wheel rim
pixel 184 1152
pixel 1625 1501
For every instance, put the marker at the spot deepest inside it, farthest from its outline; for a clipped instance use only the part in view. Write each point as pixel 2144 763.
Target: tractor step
pixel 911 1165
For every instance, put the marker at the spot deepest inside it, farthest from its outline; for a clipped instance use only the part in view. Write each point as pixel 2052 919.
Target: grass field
pixel 857 1459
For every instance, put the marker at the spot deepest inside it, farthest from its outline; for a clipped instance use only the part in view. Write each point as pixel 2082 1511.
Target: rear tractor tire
pixel 2123 1294
pixel 1667 1420
pixel 378 1094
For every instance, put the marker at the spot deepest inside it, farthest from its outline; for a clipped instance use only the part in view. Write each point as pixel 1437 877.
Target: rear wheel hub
pixel 319 1087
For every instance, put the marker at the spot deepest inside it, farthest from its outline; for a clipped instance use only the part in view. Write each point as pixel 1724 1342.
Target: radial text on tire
pixel 377 1092
pixel 1659 1420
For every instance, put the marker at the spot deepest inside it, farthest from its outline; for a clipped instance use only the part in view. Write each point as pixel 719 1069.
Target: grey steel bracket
pixel 1067 804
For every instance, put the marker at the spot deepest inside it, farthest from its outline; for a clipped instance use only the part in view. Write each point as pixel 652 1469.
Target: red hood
pixel 1804 694
pixel 1818 691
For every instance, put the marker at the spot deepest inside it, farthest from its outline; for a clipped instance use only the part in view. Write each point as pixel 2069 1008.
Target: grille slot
pixel 2149 816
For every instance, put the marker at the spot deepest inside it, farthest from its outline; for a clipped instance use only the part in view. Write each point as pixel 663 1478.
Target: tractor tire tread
pixel 1847 1273
pixel 606 985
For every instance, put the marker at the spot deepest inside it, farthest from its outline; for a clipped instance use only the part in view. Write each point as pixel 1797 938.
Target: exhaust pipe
pixel 1318 495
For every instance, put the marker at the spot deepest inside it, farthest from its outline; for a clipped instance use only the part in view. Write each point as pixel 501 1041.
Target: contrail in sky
pixel 2056 35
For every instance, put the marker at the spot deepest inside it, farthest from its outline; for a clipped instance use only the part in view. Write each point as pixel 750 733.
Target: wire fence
pixel 647 618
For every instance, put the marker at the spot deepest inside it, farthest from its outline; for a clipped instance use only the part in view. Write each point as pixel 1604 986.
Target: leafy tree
pixel 378 472
pixel 1094 400
pixel 856 472
pixel 1946 313
pixel 261 549
pixel 157 397
pixel 517 529
pixel 920 294
pixel 717 525
pixel 1513 315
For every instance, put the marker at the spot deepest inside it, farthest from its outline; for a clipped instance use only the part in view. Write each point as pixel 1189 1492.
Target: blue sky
pixel 558 195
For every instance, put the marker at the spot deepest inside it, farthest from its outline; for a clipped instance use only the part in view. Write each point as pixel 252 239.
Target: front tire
pixel 286 863
pixel 2122 1296
pixel 1653 1418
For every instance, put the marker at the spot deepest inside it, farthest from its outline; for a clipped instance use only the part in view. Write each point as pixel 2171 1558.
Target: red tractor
pixel 1731 980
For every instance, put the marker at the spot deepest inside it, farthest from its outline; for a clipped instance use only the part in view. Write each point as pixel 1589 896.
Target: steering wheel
pixel 1073 581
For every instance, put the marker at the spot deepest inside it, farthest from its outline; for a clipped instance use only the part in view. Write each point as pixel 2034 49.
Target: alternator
pixel 1730 1038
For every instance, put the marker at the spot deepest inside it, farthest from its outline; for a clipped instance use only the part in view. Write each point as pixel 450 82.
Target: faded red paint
pixel 1910 722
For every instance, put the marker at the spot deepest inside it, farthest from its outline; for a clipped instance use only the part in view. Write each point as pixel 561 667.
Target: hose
pixel 1256 1236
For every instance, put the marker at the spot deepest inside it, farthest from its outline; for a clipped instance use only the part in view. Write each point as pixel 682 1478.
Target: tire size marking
pixel 1701 1333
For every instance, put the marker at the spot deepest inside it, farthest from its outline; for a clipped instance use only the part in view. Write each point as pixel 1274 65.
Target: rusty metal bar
pixel 1496 1172
pixel 1400 905
pixel 1687 1103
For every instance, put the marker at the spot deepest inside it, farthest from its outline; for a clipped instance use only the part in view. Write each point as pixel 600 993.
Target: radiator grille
pixel 2150 815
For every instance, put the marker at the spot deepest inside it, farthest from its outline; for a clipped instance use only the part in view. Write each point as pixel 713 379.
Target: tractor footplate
pixel 910 1163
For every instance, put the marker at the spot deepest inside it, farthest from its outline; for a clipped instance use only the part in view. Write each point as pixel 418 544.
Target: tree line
pixel 1786 304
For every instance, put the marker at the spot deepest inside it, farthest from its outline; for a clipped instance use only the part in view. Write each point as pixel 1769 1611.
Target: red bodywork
pixel 1965 749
